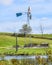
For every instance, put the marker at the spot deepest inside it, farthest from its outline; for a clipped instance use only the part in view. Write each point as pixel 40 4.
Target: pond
pixel 21 57
pixel 29 60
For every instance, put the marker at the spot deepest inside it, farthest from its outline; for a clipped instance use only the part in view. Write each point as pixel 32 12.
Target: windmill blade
pixel 29 13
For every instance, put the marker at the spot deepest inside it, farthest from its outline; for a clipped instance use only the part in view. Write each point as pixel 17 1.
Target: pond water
pixel 22 57
pixel 29 60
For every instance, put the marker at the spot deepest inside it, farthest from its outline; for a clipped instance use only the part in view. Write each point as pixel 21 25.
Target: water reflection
pixel 22 57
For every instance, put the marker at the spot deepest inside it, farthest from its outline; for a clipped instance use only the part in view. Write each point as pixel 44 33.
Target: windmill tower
pixel 29 15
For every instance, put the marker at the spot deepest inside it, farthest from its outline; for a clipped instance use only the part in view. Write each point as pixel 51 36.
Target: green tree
pixel 25 29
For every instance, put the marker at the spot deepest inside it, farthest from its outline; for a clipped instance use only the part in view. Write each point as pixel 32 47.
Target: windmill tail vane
pixel 19 14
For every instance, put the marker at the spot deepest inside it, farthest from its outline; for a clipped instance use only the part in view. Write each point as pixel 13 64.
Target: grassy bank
pixel 7 42
pixel 25 51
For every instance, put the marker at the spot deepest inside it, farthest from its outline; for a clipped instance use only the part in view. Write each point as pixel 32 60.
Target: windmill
pixel 28 13
pixel 29 16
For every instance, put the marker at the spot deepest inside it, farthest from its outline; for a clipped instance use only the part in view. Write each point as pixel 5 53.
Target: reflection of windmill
pixel 28 13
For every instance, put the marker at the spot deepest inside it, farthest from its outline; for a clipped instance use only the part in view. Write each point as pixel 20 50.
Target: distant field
pixel 7 41
pixel 35 35
pixel 44 35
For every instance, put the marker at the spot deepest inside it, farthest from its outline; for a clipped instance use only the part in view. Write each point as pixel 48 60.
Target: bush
pixel 15 62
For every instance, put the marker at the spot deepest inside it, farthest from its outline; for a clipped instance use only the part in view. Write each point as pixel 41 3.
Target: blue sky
pixel 41 14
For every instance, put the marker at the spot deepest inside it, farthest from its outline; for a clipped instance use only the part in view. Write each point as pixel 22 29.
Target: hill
pixel 7 41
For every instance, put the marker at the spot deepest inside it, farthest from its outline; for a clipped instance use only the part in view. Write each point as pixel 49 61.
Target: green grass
pixel 8 41
pixel 44 35
pixel 29 51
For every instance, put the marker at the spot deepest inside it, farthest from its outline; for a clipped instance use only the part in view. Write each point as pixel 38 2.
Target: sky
pixel 41 11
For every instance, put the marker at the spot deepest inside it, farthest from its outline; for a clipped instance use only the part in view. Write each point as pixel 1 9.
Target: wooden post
pixel 16 42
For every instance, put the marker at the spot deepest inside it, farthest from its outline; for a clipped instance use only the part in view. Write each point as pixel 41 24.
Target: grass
pixel 7 41
pixel 25 51
pixel 44 35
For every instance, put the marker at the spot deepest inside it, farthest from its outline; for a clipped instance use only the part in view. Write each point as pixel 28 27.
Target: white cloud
pixel 41 12
pixel 44 21
pixel 10 26
pixel 37 1
pixel 6 2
